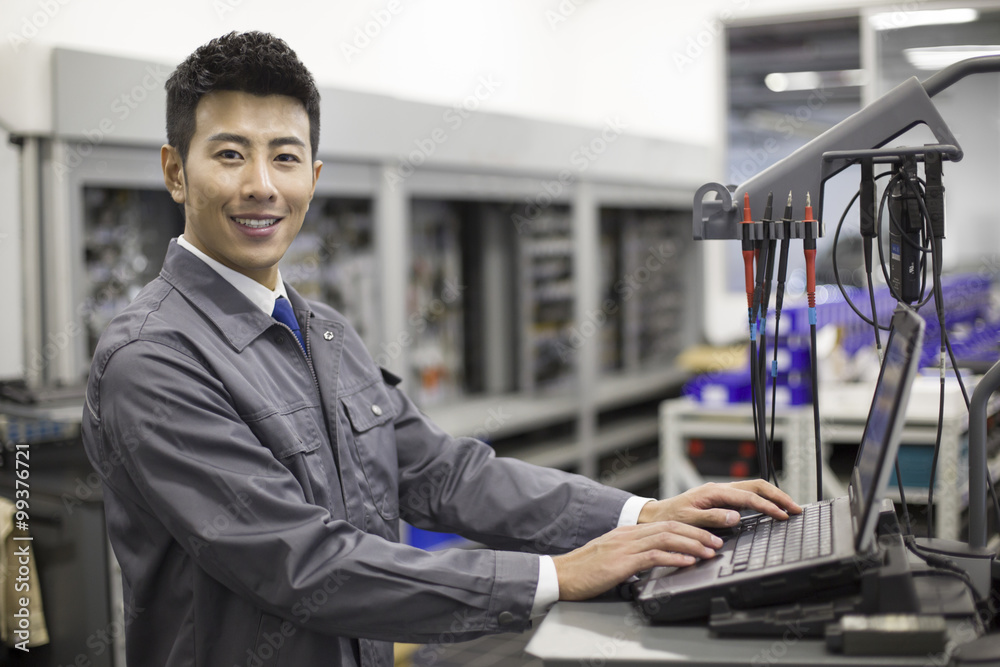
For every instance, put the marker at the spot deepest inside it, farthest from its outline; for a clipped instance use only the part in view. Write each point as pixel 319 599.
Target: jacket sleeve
pixel 166 428
pixel 459 485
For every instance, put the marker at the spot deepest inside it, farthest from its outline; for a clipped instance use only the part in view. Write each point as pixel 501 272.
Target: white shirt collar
pixel 261 296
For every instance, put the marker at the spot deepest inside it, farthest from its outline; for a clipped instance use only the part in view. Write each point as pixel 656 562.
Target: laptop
pixel 827 547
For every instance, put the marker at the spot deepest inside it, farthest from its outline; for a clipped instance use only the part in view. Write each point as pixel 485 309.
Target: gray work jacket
pixel 253 494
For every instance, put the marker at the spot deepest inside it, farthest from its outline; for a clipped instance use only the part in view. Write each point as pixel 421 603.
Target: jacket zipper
pixel 309 362
pixel 308 358
pixel 334 444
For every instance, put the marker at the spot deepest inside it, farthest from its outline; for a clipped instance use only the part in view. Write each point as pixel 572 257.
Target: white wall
pixel 654 63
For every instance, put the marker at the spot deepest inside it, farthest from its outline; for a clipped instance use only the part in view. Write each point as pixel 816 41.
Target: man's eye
pixel 287 157
pixel 229 155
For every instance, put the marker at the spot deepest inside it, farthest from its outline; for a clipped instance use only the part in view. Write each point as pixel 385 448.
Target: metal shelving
pixel 435 303
pixel 126 231
pixel 546 275
pixel 333 260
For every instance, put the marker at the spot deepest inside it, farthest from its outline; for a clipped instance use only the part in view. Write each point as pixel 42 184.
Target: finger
pixel 645 531
pixel 653 528
pixel 772 493
pixel 714 518
pixel 691 530
pixel 750 500
pixel 700 546
pixel 654 558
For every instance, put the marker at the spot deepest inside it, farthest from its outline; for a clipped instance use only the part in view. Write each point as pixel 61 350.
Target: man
pixel 256 462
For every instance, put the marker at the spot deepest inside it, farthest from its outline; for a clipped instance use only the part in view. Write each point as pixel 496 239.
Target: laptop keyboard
pixel 763 542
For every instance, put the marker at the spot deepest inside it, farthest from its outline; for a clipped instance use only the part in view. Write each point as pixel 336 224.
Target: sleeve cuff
pixel 547 591
pixel 630 511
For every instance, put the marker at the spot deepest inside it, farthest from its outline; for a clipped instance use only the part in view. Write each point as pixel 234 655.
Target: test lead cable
pixel 768 225
pixel 809 249
pixel 753 303
pixel 786 226
pixel 759 310
pixel 867 193
pixel 770 238
pixel 750 253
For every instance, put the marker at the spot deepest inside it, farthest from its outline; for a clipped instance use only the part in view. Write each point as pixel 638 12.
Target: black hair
pixel 251 62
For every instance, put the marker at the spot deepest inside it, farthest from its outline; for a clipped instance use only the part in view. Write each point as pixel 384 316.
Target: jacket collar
pixel 237 319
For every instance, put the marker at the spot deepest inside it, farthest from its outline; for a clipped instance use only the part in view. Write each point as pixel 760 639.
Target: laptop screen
pixel 880 443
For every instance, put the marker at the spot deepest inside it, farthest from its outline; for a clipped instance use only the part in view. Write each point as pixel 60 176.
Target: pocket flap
pixel 369 407
pixel 287 434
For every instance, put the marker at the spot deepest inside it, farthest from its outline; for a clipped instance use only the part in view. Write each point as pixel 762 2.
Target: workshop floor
pixel 493 651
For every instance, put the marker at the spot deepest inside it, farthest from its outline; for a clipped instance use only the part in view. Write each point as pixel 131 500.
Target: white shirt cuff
pixel 547 592
pixel 630 512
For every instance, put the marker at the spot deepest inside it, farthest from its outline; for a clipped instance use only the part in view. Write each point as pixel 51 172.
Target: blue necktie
pixel 283 313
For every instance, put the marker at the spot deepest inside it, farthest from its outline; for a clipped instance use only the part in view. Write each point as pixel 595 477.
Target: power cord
pixel 943 565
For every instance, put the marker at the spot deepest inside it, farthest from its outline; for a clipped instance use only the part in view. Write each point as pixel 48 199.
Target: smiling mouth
pixel 255 223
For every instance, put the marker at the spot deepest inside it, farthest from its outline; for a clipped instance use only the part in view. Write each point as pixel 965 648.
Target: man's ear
pixel 173 172
pixel 317 166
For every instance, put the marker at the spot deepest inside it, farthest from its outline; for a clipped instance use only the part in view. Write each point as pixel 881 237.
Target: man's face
pixel 247 181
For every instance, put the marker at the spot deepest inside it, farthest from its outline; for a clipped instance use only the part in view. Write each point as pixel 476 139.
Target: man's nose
pixel 258 183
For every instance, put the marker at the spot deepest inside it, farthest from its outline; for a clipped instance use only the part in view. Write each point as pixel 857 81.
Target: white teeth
pixel 256 224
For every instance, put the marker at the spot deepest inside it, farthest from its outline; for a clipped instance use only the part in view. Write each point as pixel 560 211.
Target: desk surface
pixel 614 633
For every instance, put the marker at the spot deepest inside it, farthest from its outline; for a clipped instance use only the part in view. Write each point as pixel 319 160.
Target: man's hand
pixel 713 505
pixel 667 534
pixel 615 556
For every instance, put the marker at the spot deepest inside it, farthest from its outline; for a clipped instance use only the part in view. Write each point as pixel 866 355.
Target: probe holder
pixel 805 170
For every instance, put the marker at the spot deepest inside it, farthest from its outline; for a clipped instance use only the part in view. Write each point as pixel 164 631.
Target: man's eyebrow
pixel 286 141
pixel 229 136
pixel 245 141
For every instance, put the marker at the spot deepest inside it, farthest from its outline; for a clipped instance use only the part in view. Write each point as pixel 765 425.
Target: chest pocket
pixel 371 414
pixel 294 439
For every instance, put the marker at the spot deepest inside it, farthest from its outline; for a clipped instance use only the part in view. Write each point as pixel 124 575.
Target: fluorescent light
pixel 780 82
pixel 938 57
pixel 896 20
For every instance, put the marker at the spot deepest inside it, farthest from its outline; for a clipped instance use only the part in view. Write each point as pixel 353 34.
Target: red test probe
pixel 809 248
